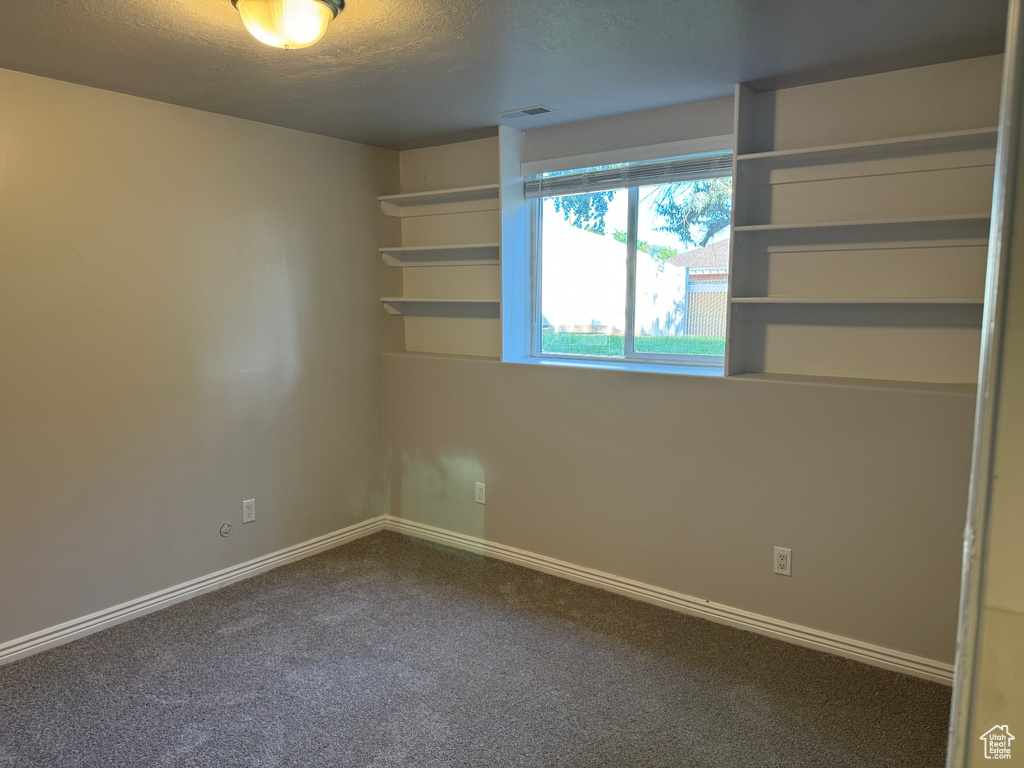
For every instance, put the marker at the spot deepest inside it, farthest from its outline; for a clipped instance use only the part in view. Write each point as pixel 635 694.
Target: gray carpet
pixel 392 652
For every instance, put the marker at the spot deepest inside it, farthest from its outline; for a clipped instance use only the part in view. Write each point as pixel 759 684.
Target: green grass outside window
pixel 598 345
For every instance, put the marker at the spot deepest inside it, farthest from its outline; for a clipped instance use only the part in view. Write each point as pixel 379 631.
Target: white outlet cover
pixel 249 511
pixel 783 561
pixel 481 493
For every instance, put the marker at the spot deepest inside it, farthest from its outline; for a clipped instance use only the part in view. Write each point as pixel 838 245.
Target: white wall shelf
pixel 439 202
pixel 440 307
pixel 964 221
pixel 869 300
pixel 947 141
pixel 480 255
pixel 961 229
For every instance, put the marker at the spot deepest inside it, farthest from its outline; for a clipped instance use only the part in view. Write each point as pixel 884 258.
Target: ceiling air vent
pixel 514 114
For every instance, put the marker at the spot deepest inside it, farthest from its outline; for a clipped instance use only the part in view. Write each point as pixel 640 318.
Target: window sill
pixel 617 365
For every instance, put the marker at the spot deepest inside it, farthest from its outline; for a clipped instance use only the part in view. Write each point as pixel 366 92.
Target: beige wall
pixel 188 318
pixel 688 483
pixel 638 129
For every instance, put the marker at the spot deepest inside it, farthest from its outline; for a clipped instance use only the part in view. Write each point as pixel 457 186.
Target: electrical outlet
pixel 783 561
pixel 249 511
pixel 225 530
pixel 481 493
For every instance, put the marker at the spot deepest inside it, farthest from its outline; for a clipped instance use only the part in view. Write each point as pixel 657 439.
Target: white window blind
pixel 704 166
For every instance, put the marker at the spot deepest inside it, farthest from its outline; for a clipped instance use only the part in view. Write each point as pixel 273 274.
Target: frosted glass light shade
pixel 287 23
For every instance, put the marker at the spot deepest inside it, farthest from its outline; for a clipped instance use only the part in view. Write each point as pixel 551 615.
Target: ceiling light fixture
pixel 288 23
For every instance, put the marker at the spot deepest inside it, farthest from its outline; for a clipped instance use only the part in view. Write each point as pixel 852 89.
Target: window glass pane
pixel 583 274
pixel 682 266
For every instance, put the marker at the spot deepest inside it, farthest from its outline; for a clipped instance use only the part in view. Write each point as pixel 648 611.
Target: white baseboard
pixel 723 614
pixel 875 655
pixel 72 630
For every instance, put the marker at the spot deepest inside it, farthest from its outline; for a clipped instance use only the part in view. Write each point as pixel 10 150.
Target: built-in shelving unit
pixel 450 222
pixel 459 200
pixel 480 255
pixel 859 259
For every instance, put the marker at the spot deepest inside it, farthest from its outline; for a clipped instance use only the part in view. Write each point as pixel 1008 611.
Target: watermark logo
pixel 997 742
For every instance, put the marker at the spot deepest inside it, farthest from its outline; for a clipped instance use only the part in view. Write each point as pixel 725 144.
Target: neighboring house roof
pixel 714 254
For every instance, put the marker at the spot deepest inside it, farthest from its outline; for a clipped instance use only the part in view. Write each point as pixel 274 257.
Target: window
pixel 632 261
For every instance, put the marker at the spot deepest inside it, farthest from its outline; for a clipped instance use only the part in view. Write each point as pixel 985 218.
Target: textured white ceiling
pixel 400 73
